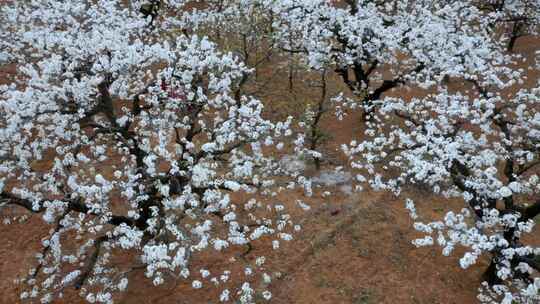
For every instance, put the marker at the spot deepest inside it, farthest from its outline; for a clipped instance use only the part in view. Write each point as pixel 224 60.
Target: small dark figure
pixel 335 212
pixel 151 9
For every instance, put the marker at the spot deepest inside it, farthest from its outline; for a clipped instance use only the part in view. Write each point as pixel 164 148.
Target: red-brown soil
pixel 352 249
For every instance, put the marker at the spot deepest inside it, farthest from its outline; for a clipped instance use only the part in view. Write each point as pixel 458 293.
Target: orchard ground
pixel 353 248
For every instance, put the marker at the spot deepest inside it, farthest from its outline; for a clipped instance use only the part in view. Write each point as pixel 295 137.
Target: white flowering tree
pixel 373 46
pixel 127 136
pixel 481 148
pixel 376 46
pixel 130 133
pixel 517 18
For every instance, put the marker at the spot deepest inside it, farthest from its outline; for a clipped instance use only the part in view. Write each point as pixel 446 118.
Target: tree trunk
pixel 490 275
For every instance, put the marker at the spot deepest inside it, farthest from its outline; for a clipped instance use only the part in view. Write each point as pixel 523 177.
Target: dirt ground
pixel 353 249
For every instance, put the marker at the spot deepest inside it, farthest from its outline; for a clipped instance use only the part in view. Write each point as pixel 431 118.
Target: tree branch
pixel 76 206
pixel 92 262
